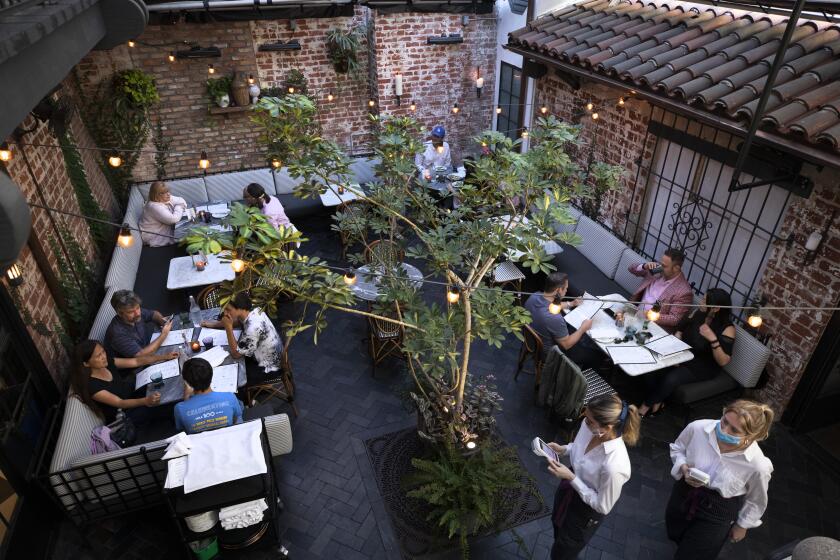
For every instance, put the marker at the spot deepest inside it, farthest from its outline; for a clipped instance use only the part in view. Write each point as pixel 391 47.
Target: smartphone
pixel 539 447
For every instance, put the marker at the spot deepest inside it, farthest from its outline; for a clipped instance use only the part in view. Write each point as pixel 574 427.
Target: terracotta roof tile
pixel 715 58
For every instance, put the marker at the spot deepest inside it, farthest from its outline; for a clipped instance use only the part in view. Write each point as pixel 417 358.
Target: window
pixel 509 121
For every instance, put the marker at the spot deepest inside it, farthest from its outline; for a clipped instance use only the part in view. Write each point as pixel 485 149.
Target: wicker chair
pixel 384 253
pixel 209 297
pixel 531 346
pixel 384 339
pixel 353 210
pixel 282 386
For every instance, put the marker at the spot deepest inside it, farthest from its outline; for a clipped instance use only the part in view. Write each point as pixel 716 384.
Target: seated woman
pixel 160 214
pixel 270 207
pixel 710 333
pixel 96 384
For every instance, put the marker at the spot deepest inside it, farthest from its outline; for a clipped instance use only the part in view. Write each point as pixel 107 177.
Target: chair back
pixel 209 297
pixel 385 253
pixel 533 343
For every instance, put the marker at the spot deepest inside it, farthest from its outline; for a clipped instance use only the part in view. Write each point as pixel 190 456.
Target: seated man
pixel 435 154
pixel 128 334
pixel 202 409
pixel 553 328
pixel 664 282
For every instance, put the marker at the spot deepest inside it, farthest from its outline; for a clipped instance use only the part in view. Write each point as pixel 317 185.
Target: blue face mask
pixel 726 438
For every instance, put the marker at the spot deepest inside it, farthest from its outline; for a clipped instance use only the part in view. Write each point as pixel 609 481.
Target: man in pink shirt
pixel 665 283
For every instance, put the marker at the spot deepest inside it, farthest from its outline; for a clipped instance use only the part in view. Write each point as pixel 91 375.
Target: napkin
pixel 179 445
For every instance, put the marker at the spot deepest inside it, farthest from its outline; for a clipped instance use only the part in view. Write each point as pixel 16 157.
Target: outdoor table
pixel 330 197
pixel 173 387
pixel 367 285
pixel 603 320
pixel 183 228
pixel 550 247
pixel 182 273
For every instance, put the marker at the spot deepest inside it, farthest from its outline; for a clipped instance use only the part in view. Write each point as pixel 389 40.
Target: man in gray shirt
pixel 128 333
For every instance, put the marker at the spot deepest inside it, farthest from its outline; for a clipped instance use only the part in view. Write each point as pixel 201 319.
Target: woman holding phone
pixel 600 467
pixel 721 480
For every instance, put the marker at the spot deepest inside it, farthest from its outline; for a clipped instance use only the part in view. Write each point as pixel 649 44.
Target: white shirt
pixel 599 474
pixel 738 473
pixel 158 221
pixel 430 158
pixel 259 340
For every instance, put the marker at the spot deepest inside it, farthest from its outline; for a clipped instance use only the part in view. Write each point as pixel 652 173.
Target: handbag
pixel 123 431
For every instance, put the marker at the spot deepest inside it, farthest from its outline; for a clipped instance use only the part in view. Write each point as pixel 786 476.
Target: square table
pixel 182 273
pixel 330 197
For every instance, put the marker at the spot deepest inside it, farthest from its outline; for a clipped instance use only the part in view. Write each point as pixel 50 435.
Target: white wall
pixel 507 22
pixel 542 6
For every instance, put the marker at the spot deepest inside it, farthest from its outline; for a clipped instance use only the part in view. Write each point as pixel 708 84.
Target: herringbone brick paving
pixel 333 510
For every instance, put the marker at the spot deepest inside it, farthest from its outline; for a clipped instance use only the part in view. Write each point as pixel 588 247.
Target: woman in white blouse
pixel 701 516
pixel 160 214
pixel 600 467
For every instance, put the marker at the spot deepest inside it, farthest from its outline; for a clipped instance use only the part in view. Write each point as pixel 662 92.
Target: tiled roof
pixel 711 58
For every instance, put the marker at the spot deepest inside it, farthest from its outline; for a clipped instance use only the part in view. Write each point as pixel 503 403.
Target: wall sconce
pixel 815 240
pixel 479 81
pixel 398 86
pixel 14 275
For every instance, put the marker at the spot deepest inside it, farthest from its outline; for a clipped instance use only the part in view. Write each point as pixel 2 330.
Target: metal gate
pixel 686 204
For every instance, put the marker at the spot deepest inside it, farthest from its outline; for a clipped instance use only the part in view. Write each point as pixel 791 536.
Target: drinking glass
pixel 157 380
pixel 208 342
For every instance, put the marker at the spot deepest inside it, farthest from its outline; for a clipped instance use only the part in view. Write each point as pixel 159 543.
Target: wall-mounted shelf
pixel 226 110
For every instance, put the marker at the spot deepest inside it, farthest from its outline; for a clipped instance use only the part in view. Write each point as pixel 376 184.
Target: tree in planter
pixel 604 178
pixel 343 46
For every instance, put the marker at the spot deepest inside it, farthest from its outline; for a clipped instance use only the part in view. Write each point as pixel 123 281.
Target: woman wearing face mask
pixel 600 467
pixel 700 517
pixel 710 333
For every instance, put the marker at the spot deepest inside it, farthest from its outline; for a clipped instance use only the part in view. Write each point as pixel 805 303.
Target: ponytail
pixel 632 428
pixel 611 410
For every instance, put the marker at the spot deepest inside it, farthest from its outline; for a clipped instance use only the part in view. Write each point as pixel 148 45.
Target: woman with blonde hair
pixel 600 467
pixel 160 214
pixel 721 480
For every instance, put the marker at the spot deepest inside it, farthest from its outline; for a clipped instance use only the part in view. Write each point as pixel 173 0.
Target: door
pixel 509 121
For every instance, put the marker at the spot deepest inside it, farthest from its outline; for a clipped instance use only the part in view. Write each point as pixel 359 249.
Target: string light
pixel 455 109
pixel 210 69
pixel 543 109
pixel 276 163
pixel 330 96
pixel 470 445
pixel 556 306
pixel 349 277
pixel 654 312
pixel 754 318
pixel 238 265
pixel 203 162
pixel 114 160
pixel 5 152
pixel 371 102
pixel 498 109
pixel 594 116
pixel 590 106
pixel 291 89
pixel 131 44
pixel 124 238
pixel 250 79
pixel 525 132
pixel 413 107
pixel 453 294
pixel 171 56
pixel 621 102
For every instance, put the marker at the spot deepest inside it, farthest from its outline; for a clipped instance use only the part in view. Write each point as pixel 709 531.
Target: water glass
pixel 157 380
pixel 208 342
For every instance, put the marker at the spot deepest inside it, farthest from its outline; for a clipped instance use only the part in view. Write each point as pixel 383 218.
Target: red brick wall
pixel 618 136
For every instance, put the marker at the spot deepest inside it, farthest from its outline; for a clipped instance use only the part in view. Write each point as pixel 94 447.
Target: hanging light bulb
pixel 171 56
pixel 590 106
pixel 498 109
pixel 131 44
pixel 5 152
pixel 483 144
pixel 291 89
pixel 455 109
pixel 413 107
pixel 237 264
pixel 124 238
pixel 203 162
pixel 14 275
pixel 543 109
pixel 330 96
pixel 210 69
pixel 250 79
pixel 654 312
pixel 114 159
pixel 556 306
pixel 276 163
pixel 453 294
pixel 471 445
pixel 621 102
pixel 371 103
pixel 595 116
pixel 525 132
pixel 349 277
pixel 754 319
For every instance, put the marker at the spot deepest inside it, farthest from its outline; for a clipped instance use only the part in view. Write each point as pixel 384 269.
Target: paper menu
pixel 219 335
pixel 167 369
pixel 215 355
pixel 175 337
pixel 176 470
pixel 630 355
pixel 667 345
pixel 225 378
pixel 586 310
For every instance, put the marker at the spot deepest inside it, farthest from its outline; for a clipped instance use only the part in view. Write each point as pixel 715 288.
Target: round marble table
pixel 367 284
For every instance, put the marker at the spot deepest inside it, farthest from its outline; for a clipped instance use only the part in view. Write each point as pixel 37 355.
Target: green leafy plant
pixel 162 144
pixel 465 491
pixel 295 79
pixel 218 87
pixel 343 46
pixel 604 178
pixel 137 87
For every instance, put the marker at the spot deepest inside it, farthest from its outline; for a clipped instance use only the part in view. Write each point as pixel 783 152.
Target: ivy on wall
pixel 77 281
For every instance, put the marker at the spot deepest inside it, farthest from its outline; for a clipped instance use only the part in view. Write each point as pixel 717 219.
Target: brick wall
pixel 618 137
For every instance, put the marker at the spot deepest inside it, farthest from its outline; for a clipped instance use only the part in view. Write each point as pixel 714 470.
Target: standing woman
pixel 269 206
pixel 700 517
pixel 600 467
pixel 160 214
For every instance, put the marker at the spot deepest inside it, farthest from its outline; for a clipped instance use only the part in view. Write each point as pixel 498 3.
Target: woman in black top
pixel 710 333
pixel 97 384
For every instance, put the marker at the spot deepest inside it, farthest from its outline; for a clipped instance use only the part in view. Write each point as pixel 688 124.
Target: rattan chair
pixel 531 346
pixel 209 297
pixel 384 253
pixel 353 210
pixel 282 386
pixel 384 339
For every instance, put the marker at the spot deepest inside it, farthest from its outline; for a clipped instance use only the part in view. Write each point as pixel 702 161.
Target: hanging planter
pixel 343 47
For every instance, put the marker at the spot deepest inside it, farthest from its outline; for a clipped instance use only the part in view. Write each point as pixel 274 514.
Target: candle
pixel 479 82
pixel 195 346
pixel 398 90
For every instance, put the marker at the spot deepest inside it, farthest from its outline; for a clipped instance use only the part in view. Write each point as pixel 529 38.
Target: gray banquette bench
pixel 89 487
pixel 600 265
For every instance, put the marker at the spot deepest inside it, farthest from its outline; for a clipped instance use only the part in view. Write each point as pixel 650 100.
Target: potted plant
pixel 295 82
pixel 218 90
pixel 343 48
